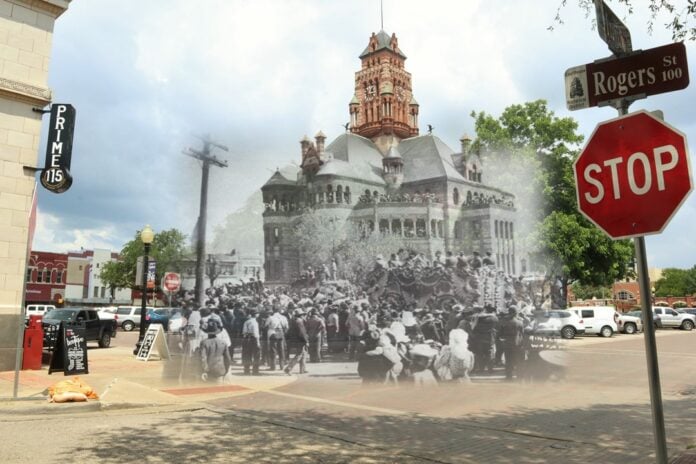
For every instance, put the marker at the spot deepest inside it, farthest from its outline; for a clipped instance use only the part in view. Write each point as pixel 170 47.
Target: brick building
pixel 26 33
pixel 384 176
pixel 46 277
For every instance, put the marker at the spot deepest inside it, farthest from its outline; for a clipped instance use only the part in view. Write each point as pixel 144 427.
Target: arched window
pixel 329 194
pixel 339 194
pixel 455 196
pixel 457 230
pixel 346 195
pixel 274 204
pixel 433 228
pixel 624 295
pixel 384 226
pixel 375 194
pixel 440 229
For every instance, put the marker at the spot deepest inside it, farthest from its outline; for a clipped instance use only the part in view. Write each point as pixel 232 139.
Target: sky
pixel 148 78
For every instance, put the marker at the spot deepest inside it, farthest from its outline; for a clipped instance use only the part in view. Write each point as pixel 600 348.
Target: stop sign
pixel 632 175
pixel 171 282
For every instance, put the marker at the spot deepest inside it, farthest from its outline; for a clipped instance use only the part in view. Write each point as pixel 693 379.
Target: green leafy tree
pixel 676 282
pixel 677 16
pixel 531 141
pixel 168 249
pixel 587 292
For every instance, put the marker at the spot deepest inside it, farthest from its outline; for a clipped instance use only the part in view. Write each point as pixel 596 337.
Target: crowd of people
pixel 399 198
pixel 394 340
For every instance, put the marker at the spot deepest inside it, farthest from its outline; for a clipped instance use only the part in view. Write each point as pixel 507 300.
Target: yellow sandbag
pixel 68 397
pixel 74 385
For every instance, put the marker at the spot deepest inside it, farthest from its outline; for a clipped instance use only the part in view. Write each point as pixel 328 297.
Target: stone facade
pixel 381 174
pixel 26 31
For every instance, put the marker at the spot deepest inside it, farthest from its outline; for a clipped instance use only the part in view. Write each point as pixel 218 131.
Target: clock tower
pixel 383 108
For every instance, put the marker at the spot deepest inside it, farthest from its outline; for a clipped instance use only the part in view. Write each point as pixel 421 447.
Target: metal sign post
pixel 658 416
pixel 635 76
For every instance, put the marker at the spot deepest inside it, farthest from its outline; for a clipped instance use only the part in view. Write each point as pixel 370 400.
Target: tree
pixel 167 249
pixel 531 140
pixel 587 292
pixel 680 15
pixel 676 282
pixel 321 238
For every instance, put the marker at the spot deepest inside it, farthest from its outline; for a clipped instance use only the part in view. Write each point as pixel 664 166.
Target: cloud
pixel 259 75
pixel 51 235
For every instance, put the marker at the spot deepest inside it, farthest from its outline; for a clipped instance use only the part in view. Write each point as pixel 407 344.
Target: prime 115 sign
pixel 55 175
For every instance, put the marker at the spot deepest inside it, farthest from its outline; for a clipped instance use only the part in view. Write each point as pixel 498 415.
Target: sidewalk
pixel 123 382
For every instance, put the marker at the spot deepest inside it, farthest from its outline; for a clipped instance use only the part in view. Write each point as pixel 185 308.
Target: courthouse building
pixel 385 176
pixel 26 32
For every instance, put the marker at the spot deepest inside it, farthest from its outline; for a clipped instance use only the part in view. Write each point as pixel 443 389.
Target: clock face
pixel 370 92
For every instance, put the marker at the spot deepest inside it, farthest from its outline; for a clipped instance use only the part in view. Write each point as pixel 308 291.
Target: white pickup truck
pixel 670 318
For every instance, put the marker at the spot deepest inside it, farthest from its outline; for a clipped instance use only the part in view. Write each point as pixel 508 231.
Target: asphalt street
pixel 599 412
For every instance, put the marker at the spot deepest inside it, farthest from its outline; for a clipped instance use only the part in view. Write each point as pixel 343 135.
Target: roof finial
pixel 381 11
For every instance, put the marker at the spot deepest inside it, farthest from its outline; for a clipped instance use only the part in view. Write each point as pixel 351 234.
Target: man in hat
pixel 297 342
pixel 356 327
pixel 512 336
pixel 215 358
pixel 251 343
pixel 276 327
pixel 316 334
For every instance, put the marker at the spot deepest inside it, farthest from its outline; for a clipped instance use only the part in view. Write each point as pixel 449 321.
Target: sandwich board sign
pixel 70 351
pixel 154 339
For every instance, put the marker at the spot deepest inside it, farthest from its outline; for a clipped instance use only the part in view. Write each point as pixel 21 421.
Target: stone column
pixel 26 32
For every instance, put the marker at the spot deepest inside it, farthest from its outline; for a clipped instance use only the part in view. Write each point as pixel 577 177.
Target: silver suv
pixel 128 317
pixel 671 318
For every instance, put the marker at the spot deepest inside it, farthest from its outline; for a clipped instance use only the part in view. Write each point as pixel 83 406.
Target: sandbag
pixel 65 390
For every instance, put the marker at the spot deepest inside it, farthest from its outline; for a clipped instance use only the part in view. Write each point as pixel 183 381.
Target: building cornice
pixel 22 91
pixel 53 7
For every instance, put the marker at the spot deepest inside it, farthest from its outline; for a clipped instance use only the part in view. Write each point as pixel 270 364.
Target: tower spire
pixel 381 13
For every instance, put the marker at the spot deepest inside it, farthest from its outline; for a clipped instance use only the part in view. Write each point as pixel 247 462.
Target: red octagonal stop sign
pixel 633 175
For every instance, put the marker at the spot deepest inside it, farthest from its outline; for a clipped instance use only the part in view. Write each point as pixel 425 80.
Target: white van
pixel 37 310
pixel 599 320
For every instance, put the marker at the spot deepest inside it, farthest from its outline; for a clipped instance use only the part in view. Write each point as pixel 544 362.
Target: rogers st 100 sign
pixel 633 175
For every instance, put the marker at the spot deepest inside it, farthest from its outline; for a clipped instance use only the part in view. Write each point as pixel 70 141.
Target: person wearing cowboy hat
pixel 297 341
pixel 251 343
pixel 215 358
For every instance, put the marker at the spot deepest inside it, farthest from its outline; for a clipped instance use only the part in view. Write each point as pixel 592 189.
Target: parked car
pixel 101 330
pixel 163 316
pixel 37 310
pixel 687 310
pixel 129 316
pixel 598 320
pixel 671 318
pixel 629 324
pixel 557 322
pixel 657 321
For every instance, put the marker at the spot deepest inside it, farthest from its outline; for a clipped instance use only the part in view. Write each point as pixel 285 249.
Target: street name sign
pixel 647 72
pixel 633 175
pixel 612 30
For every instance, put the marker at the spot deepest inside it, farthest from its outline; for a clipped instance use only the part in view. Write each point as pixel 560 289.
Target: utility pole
pixel 207 158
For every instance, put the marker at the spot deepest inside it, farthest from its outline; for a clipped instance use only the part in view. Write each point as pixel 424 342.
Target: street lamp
pixel 146 236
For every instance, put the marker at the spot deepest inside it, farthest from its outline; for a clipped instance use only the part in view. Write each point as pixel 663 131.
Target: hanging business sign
pixel 55 175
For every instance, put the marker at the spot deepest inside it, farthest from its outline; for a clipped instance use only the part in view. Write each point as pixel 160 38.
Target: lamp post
pixel 146 236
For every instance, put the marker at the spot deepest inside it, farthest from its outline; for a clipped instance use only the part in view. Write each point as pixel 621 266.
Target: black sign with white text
pixel 55 175
pixel 70 352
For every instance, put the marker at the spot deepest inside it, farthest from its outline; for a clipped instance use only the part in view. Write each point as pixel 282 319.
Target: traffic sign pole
pixel 658 415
